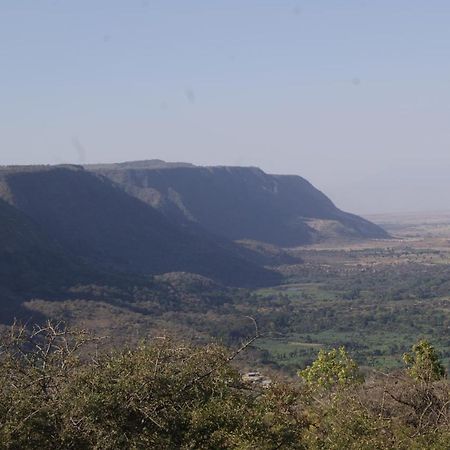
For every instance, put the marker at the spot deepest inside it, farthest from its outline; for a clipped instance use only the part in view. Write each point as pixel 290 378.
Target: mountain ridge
pixel 240 202
pixel 66 226
pixel 96 221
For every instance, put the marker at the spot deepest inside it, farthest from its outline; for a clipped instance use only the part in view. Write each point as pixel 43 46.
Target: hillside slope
pixel 240 202
pixel 95 221
pixel 30 262
pixel 27 256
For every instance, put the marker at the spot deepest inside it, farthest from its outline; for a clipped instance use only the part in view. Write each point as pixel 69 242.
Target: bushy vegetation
pixel 375 310
pixel 424 363
pixel 159 395
pixel 332 368
pixel 346 309
pixel 58 391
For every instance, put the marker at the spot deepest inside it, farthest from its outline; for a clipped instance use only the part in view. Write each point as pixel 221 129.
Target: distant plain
pixel 375 297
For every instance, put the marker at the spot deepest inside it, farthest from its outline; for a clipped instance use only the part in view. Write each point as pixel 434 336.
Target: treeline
pixel 58 391
pixel 188 305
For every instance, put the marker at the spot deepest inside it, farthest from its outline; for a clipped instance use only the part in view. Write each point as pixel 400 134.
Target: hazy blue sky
pixel 353 95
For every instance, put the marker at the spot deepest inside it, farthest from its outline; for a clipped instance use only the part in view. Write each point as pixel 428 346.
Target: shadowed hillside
pixel 96 221
pixel 240 202
pixel 27 256
pixel 30 262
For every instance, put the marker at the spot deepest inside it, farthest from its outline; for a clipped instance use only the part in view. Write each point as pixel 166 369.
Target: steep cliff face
pixel 98 223
pixel 153 218
pixel 240 202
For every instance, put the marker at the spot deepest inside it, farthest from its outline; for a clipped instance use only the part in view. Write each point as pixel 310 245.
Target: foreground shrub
pixel 331 369
pixel 169 395
pixel 159 395
pixel 423 363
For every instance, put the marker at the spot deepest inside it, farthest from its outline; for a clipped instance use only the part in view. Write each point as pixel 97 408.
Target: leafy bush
pixel 331 369
pixel 159 395
pixel 424 363
pixel 56 392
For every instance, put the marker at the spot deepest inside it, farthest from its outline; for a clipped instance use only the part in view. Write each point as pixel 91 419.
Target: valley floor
pixel 376 298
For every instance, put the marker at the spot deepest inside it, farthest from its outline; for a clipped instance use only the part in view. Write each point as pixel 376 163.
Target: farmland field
pixel 375 298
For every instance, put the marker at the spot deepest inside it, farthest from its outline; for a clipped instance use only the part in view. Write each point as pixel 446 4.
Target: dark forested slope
pixel 27 256
pixel 31 263
pixel 95 221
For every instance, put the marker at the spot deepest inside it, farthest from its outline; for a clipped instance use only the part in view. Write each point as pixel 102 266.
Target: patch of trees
pixel 57 391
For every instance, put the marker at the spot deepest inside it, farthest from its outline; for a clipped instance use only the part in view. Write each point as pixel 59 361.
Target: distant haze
pixel 352 95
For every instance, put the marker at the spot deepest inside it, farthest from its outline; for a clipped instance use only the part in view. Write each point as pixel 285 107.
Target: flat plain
pixel 376 298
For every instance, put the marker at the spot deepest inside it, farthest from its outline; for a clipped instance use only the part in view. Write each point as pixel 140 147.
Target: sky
pixel 352 95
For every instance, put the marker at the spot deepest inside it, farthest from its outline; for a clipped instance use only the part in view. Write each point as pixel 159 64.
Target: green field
pixel 376 299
